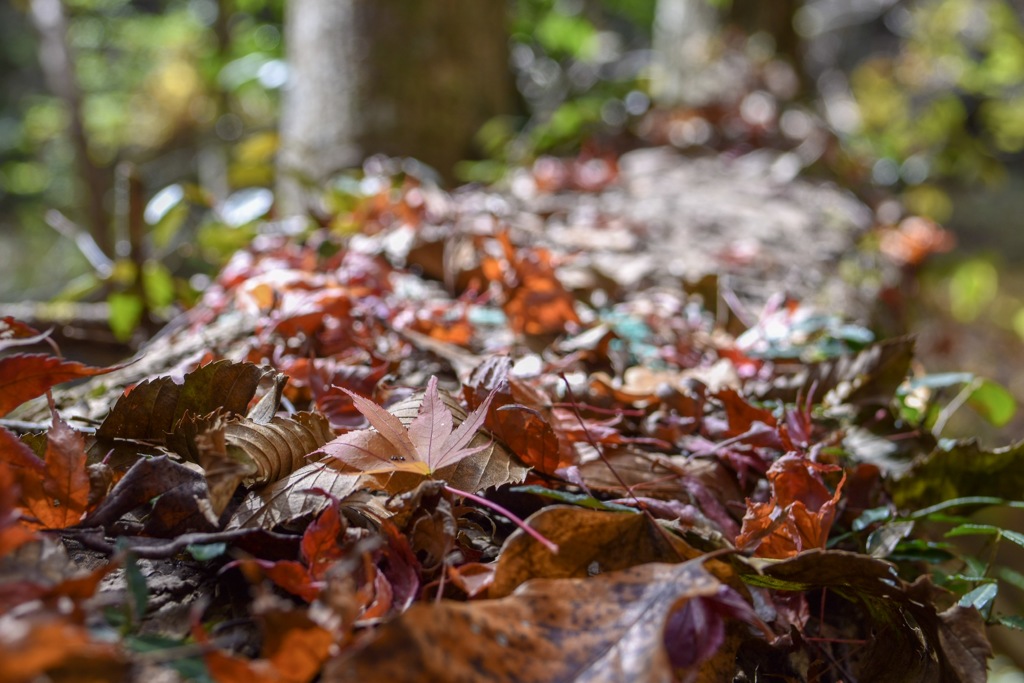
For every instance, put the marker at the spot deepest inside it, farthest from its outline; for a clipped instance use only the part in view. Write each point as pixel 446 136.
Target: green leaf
pixel 973 530
pixel 136 588
pixel 166 212
pixel 886 538
pixel 1013 621
pixel 158 284
pixel 1012 577
pixel 941 380
pixel 962 469
pixel 206 552
pixel 1014 537
pixel 958 502
pixel 993 402
pixel 981 597
pixel 869 517
pixel 125 314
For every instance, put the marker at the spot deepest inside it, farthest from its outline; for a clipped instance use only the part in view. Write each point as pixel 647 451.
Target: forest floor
pixel 625 420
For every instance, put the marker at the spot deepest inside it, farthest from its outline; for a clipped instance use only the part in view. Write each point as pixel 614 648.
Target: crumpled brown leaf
pixel 606 628
pixel 590 542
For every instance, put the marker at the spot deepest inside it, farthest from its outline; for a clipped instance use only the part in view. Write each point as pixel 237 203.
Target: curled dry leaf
pixel 292 497
pixel 799 515
pixel 606 628
pixel 269 451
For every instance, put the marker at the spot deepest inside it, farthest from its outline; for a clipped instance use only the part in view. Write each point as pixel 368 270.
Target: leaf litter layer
pixel 411 468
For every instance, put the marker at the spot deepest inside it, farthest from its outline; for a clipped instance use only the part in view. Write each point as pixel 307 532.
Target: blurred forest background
pixel 138 138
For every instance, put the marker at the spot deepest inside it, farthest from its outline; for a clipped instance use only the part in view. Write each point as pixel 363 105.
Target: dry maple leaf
pixel 426 446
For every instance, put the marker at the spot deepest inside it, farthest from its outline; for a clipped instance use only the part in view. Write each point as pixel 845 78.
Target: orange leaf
pixel 28 652
pixel 12 532
pixel 25 376
pixel 60 498
pixel 799 515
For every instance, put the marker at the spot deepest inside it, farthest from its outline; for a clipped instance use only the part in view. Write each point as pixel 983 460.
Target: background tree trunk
pixel 401 77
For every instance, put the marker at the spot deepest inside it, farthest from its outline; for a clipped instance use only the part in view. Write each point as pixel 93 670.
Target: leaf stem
pixel 505 513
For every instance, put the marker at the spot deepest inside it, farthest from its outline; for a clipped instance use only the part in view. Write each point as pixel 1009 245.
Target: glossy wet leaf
pixel 609 628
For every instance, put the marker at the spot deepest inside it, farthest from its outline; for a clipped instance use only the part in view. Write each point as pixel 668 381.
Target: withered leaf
pixel 150 410
pixel 25 376
pixel 53 647
pixel 520 416
pixel 65 487
pixel 799 515
pixel 949 649
pixel 290 498
pixel 865 379
pixel 13 531
pixel 607 628
pixel 235 450
pixel 590 542
pixel 183 504
pixel 410 439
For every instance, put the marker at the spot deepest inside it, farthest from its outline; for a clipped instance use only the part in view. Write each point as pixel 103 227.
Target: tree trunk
pixel 400 77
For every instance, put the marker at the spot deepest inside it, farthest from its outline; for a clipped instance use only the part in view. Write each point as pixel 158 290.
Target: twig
pixel 95 539
pixel 505 513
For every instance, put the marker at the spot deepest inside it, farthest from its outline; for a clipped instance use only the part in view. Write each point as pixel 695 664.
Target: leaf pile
pixel 491 476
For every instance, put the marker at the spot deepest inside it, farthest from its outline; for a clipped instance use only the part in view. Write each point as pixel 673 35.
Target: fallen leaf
pixel 182 503
pixel 13 532
pixel 961 469
pixel 52 648
pixel 25 376
pixel 416 438
pixel 151 409
pixel 521 416
pixel 949 647
pixel 536 302
pixel 607 628
pixel 291 497
pixel 65 487
pixel 590 543
pixel 799 515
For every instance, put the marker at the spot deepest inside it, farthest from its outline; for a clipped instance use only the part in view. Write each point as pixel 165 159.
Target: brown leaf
pixel 182 506
pixel 520 417
pixel 28 375
pixel 589 542
pixel 949 647
pixel 294 649
pixel 290 498
pixel 536 303
pixel 261 453
pixel 606 628
pixel 222 471
pixel 65 487
pixel 150 410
